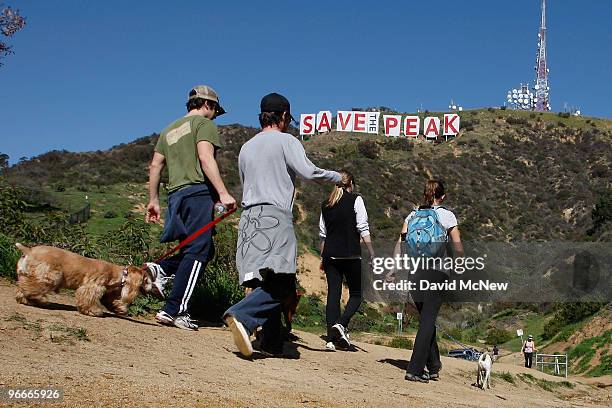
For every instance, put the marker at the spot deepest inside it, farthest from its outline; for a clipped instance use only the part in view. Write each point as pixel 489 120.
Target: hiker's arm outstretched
pixel 296 159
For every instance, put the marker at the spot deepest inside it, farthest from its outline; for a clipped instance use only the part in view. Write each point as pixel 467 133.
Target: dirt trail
pixel 134 363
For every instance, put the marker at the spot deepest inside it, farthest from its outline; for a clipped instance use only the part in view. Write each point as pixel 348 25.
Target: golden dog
pixel 100 286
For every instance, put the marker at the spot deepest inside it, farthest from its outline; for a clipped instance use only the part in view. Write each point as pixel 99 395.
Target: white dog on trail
pixel 484 371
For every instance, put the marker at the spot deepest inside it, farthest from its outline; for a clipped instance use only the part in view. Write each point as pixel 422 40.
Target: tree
pixel 10 23
pixel 4 162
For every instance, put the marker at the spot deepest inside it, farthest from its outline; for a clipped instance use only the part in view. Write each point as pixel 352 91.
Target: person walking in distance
pixel 187 147
pixel 528 349
pixel 342 225
pixel 267 248
pixel 495 352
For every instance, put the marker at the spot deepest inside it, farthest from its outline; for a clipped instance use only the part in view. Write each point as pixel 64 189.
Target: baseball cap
pixel 275 102
pixel 206 92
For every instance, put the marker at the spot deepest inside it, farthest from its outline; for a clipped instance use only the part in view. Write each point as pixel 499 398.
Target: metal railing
pixel 555 360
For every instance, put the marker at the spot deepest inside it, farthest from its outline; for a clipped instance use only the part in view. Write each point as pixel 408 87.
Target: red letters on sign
pixel 307 121
pixel 432 127
pixel 450 124
pixel 344 122
pixel 411 126
pixel 390 123
pixel 323 124
pixel 308 126
pixel 359 125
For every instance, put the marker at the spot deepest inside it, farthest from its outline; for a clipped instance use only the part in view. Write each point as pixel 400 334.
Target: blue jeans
pixel 263 307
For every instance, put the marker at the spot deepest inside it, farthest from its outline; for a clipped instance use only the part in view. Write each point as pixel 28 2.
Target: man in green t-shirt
pixel 187 147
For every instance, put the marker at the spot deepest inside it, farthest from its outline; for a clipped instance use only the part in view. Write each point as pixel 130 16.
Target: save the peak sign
pixel 369 122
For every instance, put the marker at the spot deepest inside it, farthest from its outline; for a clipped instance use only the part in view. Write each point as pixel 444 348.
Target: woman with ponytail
pixel 425 352
pixel 342 225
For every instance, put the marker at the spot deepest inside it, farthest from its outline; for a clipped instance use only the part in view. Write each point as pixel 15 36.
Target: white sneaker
pixel 158 278
pixel 330 346
pixel 343 339
pixel 185 321
pixel 164 318
pixel 241 336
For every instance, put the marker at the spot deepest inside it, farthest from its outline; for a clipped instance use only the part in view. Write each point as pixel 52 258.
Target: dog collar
pixel 124 275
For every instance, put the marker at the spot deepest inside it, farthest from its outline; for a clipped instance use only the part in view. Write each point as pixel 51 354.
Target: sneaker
pixel 416 378
pixel 330 346
pixel 343 340
pixel 158 278
pixel 185 321
pixel 164 318
pixel 241 336
pixel 433 376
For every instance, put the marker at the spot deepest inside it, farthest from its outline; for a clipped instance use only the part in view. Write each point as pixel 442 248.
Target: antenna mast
pixel 541 99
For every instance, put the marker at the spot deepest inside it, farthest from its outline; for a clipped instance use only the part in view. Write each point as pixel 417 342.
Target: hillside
pixel 510 175
pixel 132 362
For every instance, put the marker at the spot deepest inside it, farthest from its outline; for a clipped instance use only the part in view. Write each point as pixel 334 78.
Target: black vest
pixel 342 239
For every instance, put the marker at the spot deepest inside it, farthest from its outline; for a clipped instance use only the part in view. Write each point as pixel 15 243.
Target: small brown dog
pixel 100 286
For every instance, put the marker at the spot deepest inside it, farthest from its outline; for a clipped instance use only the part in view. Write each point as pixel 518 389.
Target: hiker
pixel 342 225
pixel 528 349
pixel 495 353
pixel 187 147
pixel 425 352
pixel 267 248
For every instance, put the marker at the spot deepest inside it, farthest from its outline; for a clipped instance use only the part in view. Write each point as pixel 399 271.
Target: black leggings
pixel 335 270
pixel 528 359
pixel 425 352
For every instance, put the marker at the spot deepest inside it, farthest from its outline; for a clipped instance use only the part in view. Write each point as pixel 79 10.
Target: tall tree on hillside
pixel 4 162
pixel 10 23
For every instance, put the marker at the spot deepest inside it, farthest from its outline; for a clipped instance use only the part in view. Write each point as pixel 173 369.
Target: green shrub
pixel 12 208
pixel 569 313
pixel 511 120
pixel 456 333
pixel 498 336
pixel 604 367
pixel 310 311
pixel 401 342
pixel 369 149
pixel 602 213
pixel 9 255
pixel 399 143
pixel 584 352
pixel 145 305
pixel 506 376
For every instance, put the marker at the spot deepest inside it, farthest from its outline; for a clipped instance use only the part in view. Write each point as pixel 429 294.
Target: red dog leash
pixel 196 234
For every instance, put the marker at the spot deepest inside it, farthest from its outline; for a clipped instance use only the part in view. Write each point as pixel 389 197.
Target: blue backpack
pixel 426 236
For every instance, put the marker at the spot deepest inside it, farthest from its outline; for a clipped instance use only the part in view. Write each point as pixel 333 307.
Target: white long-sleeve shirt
pixel 361 218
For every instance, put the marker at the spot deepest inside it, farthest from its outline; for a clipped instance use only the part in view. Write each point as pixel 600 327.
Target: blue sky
pixel 91 74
